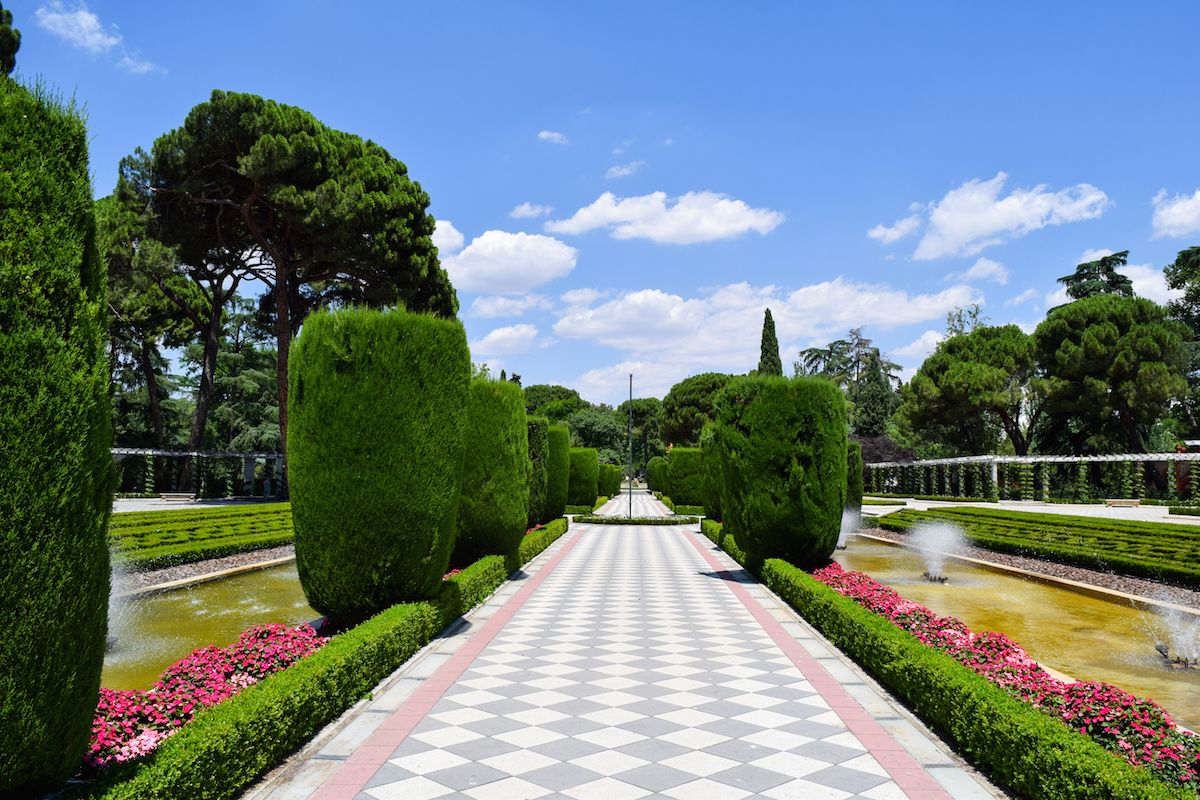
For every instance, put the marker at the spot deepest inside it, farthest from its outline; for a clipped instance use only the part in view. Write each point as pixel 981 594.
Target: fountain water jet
pixel 851 521
pixel 1178 636
pixel 936 541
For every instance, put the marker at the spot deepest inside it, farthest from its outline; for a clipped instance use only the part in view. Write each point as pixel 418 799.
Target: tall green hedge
pixel 55 469
pixel 658 474
pixel 783 448
pixel 558 471
pixel 538 437
pixel 494 495
pixel 609 483
pixel 854 475
pixel 378 407
pixel 685 483
pixel 585 476
pixel 712 473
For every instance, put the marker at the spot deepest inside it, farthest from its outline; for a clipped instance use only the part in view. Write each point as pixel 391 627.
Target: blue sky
pixel 623 188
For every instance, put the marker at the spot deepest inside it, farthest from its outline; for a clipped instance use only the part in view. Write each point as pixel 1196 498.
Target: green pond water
pixel 153 632
pixel 1086 637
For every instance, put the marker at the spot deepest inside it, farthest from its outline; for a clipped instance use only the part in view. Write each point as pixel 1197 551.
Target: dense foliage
pixel 558 470
pixel 783 450
pixel 538 438
pixel 854 476
pixel 658 474
pixel 145 540
pixel 713 480
pixel 769 362
pixel 493 509
pixel 10 42
pixel 583 486
pixel 609 481
pixel 380 404
pixel 55 469
pixel 689 406
pixel 686 471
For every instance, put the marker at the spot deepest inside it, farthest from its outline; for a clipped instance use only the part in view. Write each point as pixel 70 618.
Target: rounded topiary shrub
pixel 610 480
pixel 538 438
pixel 494 494
pixel 558 471
pixel 712 473
pixel 585 476
pixel 378 405
pixel 783 450
pixel 56 474
pixel 685 484
pixel 657 474
pixel 854 475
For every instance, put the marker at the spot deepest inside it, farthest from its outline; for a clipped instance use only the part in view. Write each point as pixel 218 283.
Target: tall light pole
pixel 631 445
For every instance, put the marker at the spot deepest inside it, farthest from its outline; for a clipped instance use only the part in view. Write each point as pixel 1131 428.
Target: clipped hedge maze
pixel 147 540
pixel 1155 550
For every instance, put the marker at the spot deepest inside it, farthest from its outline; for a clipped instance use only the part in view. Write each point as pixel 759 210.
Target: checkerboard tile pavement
pixel 631 672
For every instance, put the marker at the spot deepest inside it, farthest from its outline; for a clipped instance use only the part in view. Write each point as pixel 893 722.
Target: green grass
pixel 145 540
pixel 1156 550
pixel 871 501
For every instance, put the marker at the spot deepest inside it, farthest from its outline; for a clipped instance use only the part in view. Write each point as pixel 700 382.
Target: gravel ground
pixel 137 580
pixel 1135 586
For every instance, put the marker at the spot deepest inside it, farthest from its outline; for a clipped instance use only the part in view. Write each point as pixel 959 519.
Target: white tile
pixel 518 762
pixel 506 789
pixel 610 737
pixel 793 764
pixel 606 789
pixel 444 737
pixel 429 761
pixel 700 763
pixel 801 789
pixel 418 788
pixel 705 789
pixel 529 737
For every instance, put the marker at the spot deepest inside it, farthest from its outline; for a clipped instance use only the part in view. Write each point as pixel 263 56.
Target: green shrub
pixel 537 541
pixel 493 506
pixel 147 540
pixel 610 480
pixel 558 471
pixel 56 474
pixel 596 519
pixel 657 474
pixel 378 406
pixel 712 473
pixel 539 457
pixel 686 471
pixel 586 509
pixel 783 450
pixel 666 501
pixel 600 501
pixel 695 511
pixel 585 476
pixel 854 475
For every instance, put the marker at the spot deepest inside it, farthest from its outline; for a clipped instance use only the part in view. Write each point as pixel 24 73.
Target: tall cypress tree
pixel 769 362
pixel 10 42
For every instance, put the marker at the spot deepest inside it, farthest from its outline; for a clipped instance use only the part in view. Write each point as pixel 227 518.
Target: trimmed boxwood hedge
pixel 609 481
pixel 712 473
pixel 854 475
pixel 596 519
pixel 585 476
pixel 145 540
pixel 658 474
pixel 686 471
pixel 229 746
pixel 783 449
pixel 558 470
pixel 696 511
pixel 538 430
pixel 56 474
pixel 1018 746
pixel 494 493
pixel 378 405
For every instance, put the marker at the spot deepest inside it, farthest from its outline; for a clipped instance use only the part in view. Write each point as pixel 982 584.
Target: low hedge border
pixel 890 501
pixel 695 511
pixel 601 500
pixel 666 501
pixel 227 747
pixel 596 519
pixel 1187 511
pixel 145 540
pixel 1016 745
pixel 940 498
pixel 576 510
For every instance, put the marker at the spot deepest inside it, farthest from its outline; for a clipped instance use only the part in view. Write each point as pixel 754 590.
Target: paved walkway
pixel 635 662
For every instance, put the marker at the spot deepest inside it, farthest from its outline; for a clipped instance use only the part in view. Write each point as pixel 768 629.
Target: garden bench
pixel 1123 503
pixel 177 497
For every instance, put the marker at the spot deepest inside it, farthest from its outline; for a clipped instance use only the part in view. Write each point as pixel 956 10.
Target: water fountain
pixel 851 522
pixel 1176 634
pixel 936 541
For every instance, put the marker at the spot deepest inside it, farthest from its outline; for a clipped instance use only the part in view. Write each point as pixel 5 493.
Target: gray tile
pixel 742 752
pixel 653 750
pixel 848 780
pixel 388 773
pixel 751 778
pixel 655 777
pixel 733 728
pixel 572 726
pixel 561 776
pixel 567 749
pixel 493 725
pixel 828 752
pixel 651 726
pixel 466 776
pixel 479 749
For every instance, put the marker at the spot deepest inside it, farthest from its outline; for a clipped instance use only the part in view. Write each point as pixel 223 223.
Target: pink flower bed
pixel 1138 729
pixel 131 723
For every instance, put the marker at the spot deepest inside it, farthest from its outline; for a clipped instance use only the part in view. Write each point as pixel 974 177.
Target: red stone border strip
pixel 910 776
pixel 361 766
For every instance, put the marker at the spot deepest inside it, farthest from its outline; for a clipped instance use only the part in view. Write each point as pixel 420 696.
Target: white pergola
pixel 248 459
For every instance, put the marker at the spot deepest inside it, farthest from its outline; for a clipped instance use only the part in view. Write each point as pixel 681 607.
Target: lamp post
pixel 630 445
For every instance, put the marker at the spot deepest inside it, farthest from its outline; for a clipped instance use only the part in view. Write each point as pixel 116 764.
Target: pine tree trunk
pixel 208 370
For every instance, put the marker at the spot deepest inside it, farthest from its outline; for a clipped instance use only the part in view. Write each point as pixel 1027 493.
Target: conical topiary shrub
pixel 558 471
pixel 377 404
pixel 584 476
pixel 538 438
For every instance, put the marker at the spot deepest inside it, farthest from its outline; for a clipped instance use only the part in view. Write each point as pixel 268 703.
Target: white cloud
pixel 1150 282
pixel 499 262
pixel 887 234
pixel 1057 297
pixel 77 26
pixel 446 238
pixel 554 137
pixel 693 217
pixel 499 306
pixel 975 216
pixel 720 330
pixel 1023 298
pixel 1176 216
pixel 611 384
pixel 530 211
pixel 924 344
pixel 1094 254
pixel 582 297
pixel 982 270
pixel 624 170
pixel 506 341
